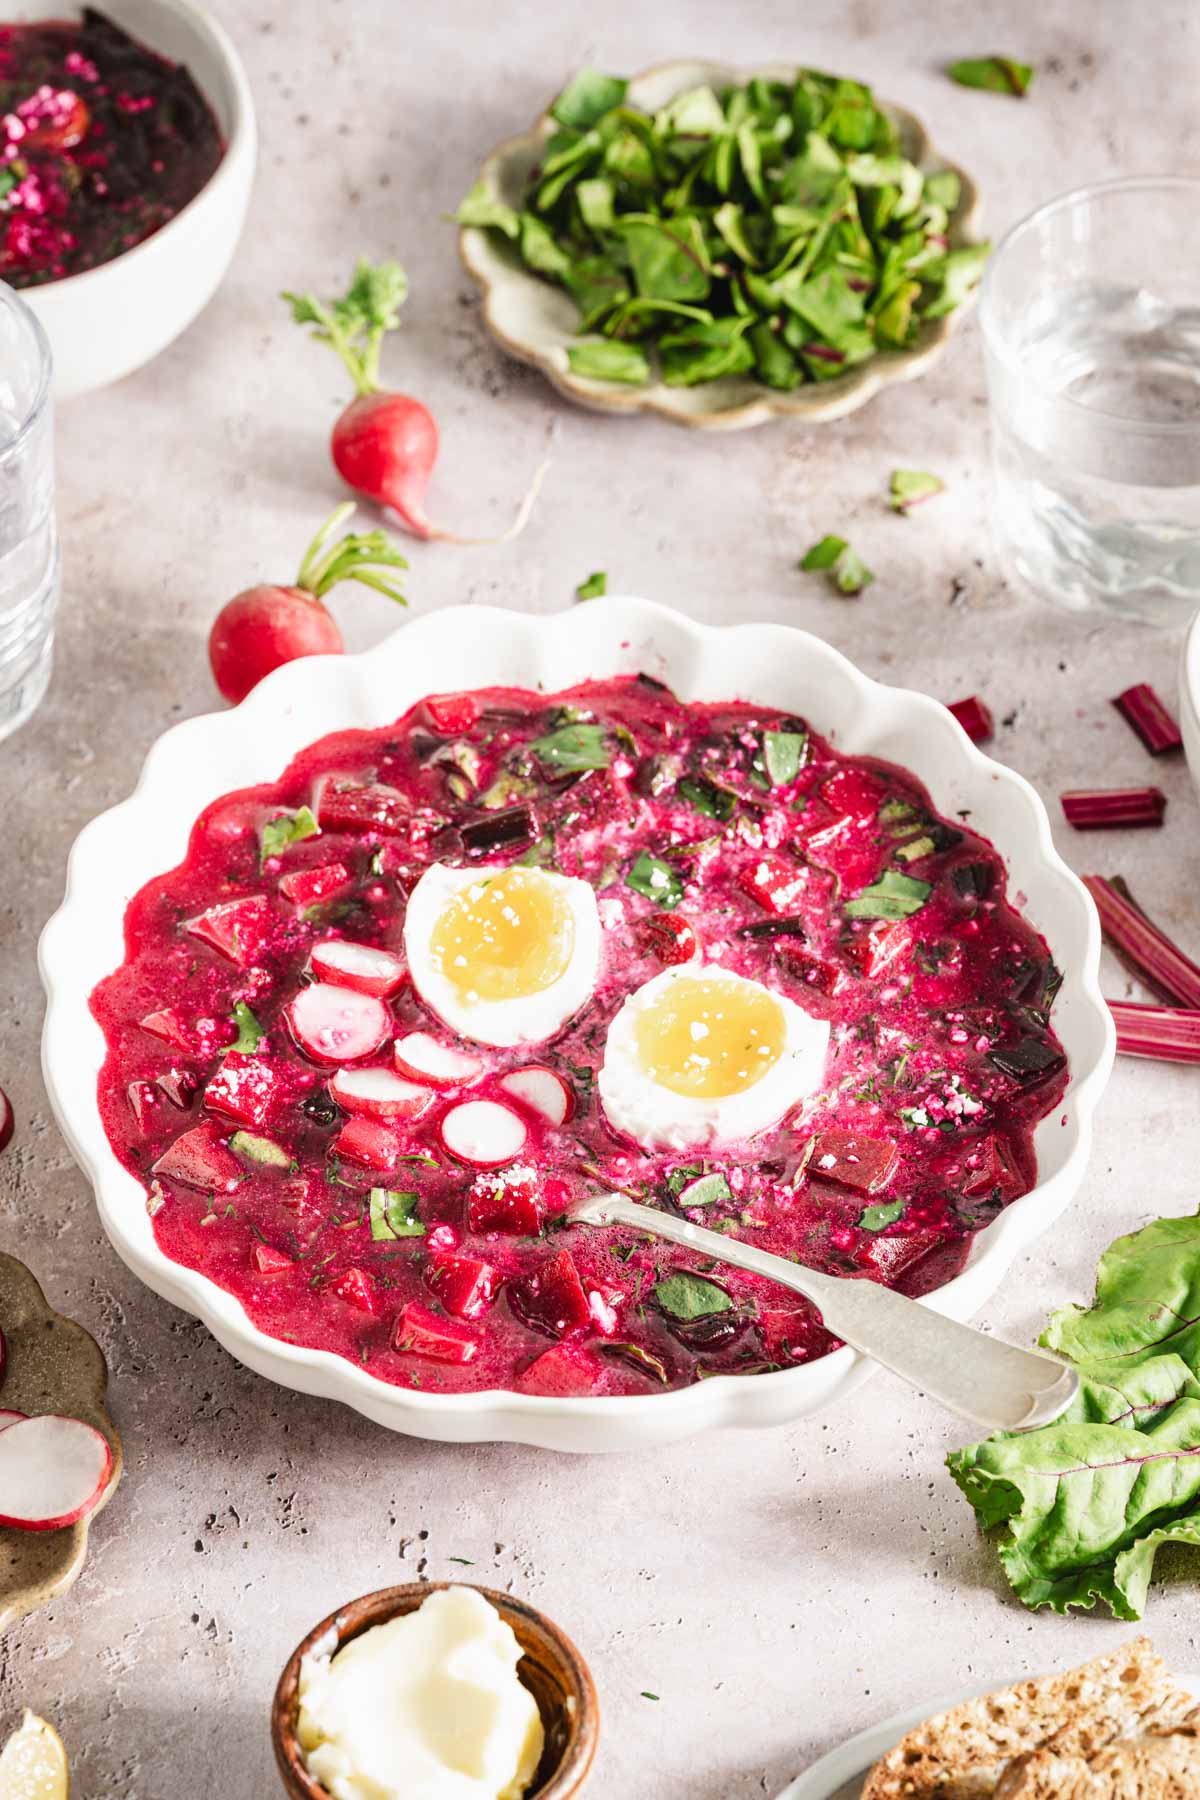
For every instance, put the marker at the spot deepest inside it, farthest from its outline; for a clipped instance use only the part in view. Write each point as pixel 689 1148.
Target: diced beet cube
pixel 425 1333
pixel 179 1085
pixel 668 936
pixel 450 714
pixel 551 1297
pixel 305 887
pixel 848 848
pixel 145 1101
pixel 347 806
pixel 773 882
pixel 506 1200
pixel 270 1261
pixel 852 791
pixel 990 1166
pixel 879 948
pixel 367 1142
pixel 864 1164
pixel 561 1373
pixel 809 969
pixel 355 1288
pixel 244 1089
pixel 793 1333
pixel 167 1025
pixel 886 1259
pixel 238 929
pixel 465 1286
pixel 201 1159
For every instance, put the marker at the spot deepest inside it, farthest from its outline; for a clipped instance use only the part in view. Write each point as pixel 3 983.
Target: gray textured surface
pixel 777 1591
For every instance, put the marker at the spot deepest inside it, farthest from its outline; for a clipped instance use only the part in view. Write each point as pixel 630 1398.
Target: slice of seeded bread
pixel 961 1754
pixel 1148 1768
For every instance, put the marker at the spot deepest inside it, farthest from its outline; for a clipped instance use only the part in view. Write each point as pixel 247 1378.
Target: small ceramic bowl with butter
pixel 435 1685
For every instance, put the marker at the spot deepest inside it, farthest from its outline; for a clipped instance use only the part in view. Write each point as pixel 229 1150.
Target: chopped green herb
pixel 915 849
pixel 705 1190
pixel 893 896
pixel 594 587
pixel 656 880
pixel 250 1032
pixel 250 1148
pixel 394 1215
pixel 285 829
pixel 679 1178
pixel 706 797
pixel 466 1561
pixel 783 755
pixel 998 74
pixel 686 1296
pixel 908 487
pixel 647 1695
pixel 876 1218
pixel 573 748
pixel 845 567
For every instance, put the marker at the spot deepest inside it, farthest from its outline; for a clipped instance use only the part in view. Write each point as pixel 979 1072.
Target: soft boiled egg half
pixel 504 956
pixel 703 1056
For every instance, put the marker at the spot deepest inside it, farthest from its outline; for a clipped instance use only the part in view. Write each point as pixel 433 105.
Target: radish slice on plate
pixel 53 1470
pixel 379 1093
pixel 544 1092
pixel 359 966
pixel 8 1417
pixel 483 1133
pixel 6 1119
pixel 426 1058
pixel 336 1024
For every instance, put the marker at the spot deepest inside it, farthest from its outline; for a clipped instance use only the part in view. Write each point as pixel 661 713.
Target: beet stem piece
pixel 975 718
pixel 1142 947
pixel 1164 1033
pixel 1141 708
pixel 1106 809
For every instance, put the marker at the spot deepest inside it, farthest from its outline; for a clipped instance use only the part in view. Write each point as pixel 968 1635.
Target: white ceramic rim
pixel 459 646
pixel 241 139
pixel 858 1755
pixel 814 402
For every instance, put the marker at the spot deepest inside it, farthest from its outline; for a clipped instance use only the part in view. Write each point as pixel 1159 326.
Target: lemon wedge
pixel 33 1763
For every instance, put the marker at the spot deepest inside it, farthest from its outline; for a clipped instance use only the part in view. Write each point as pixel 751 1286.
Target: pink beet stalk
pixel 1106 809
pixel 1163 1033
pixel 975 719
pixel 1141 707
pixel 1142 947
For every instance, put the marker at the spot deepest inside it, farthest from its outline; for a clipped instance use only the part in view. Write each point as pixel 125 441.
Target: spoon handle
pixel 994 1384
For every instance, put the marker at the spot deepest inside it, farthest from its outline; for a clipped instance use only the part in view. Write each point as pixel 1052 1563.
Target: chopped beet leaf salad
pixel 396 1011
pixel 102 142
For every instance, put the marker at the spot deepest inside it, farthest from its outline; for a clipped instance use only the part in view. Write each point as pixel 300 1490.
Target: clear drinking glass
pixel 1091 327
pixel 29 572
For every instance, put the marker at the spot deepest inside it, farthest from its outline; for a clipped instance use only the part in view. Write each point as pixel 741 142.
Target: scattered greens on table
pixel 1083 1505
pixel 774 229
pixel 594 587
pixel 834 557
pixel 998 74
pixel 909 487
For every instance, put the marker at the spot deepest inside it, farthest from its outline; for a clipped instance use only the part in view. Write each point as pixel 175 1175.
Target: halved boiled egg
pixel 503 955
pixel 701 1056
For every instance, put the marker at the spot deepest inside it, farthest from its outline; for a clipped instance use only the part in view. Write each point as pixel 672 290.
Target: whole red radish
pixel 265 626
pixel 384 444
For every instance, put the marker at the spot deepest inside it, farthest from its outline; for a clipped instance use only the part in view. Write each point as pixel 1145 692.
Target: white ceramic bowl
pixel 1189 698
pixel 109 321
pixel 536 320
pixel 775 665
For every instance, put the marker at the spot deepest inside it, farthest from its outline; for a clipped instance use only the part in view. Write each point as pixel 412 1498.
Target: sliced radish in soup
pixel 359 966
pixel 337 1024
pixel 544 1092
pixel 379 1093
pixel 426 1058
pixel 483 1133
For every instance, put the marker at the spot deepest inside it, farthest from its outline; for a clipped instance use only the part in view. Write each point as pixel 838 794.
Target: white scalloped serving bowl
pixel 536 321
pixel 469 646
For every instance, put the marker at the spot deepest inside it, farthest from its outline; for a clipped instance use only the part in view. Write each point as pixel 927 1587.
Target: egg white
pixel 525 1018
pixel 660 1119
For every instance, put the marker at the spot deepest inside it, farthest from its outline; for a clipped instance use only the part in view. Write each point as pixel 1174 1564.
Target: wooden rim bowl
pixel 551 1668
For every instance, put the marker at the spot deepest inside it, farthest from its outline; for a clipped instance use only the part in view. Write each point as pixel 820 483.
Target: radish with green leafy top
pixel 265 626
pixel 384 444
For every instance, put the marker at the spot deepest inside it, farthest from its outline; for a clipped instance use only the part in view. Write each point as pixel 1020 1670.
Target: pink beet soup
pixel 726 832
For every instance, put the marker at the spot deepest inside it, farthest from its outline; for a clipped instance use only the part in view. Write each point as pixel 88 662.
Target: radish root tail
pixel 520 517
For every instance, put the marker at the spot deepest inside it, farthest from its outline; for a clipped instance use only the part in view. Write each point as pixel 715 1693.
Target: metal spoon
pixel 992 1383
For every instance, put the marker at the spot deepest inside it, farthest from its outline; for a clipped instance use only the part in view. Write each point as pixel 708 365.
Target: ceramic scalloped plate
pixel 467 647
pixel 840 1774
pixel 54 1366
pixel 535 320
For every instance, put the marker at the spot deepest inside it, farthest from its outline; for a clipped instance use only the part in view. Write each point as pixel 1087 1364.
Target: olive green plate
pixel 54 1366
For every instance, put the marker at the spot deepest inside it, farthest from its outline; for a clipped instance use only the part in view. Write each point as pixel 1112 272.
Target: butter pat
pixel 424 1707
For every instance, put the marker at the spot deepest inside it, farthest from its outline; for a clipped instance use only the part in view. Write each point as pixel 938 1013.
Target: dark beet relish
pixel 729 833
pixel 103 142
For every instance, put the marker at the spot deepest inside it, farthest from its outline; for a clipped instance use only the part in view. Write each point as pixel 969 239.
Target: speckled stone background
pixel 776 1591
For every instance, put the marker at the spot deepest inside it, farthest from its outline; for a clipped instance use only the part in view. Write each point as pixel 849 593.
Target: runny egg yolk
pixel 504 937
pixel 710 1038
